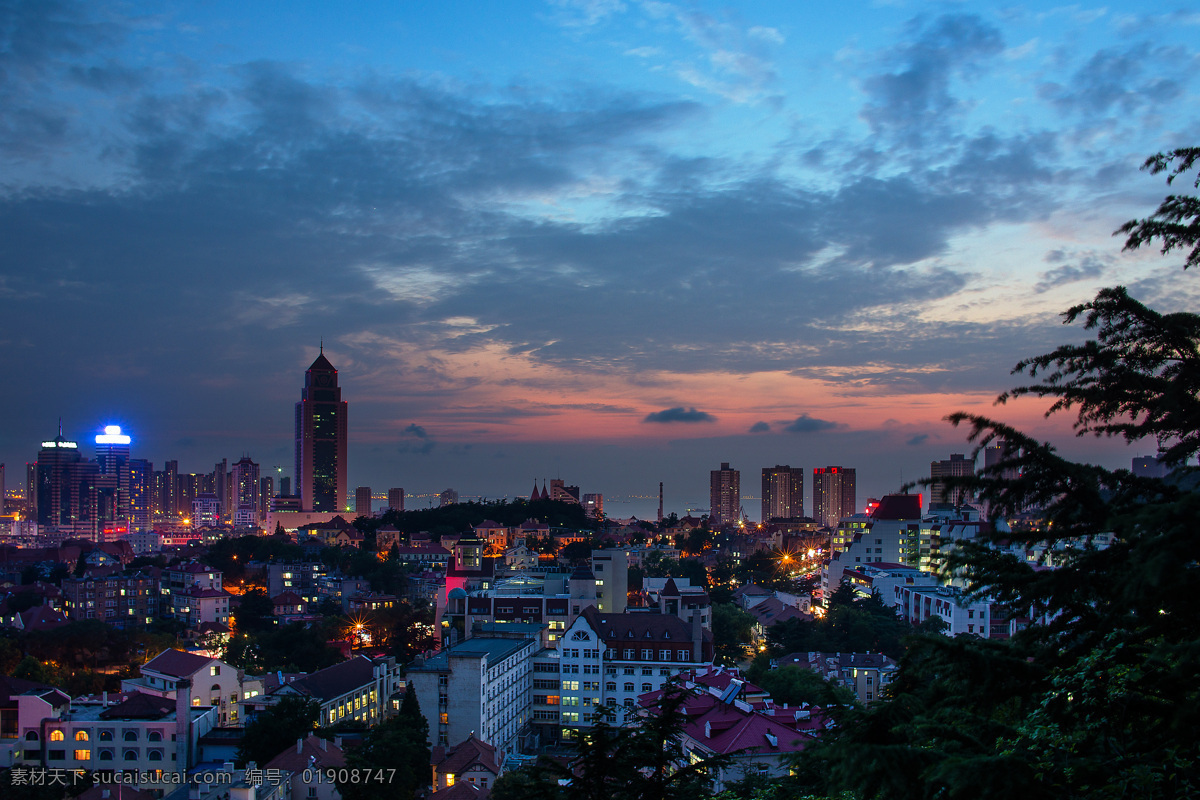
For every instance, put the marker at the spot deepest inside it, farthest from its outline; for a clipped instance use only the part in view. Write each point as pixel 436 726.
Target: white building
pixel 203 681
pixel 948 603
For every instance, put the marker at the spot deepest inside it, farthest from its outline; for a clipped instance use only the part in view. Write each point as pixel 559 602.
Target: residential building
pixel 473 761
pixel 725 493
pixel 359 689
pixel 834 494
pixel 362 501
pixel 321 436
pixel 304 768
pixel 941 494
pixel 246 494
pixel 891 536
pixel 396 499
pixel 782 492
pixel 959 613
pixel 123 601
pixel 481 686
pixel 865 674
pixel 199 680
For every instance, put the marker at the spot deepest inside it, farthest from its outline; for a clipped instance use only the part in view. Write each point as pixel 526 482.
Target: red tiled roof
pixel 140 706
pixel 177 663
pixel 314 753
pixel 457 759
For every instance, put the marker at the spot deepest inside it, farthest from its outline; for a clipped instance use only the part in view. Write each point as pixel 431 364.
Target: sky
pixel 611 241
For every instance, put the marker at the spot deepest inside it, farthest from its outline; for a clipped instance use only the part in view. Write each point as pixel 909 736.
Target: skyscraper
pixel 396 499
pixel 782 492
pixel 362 501
pixel 245 497
pixel 957 466
pixel 834 494
pixel 321 440
pixel 724 494
pixel 113 482
pixel 141 494
pixel 66 488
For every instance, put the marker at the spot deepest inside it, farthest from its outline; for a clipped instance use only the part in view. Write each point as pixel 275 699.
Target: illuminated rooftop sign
pixel 112 435
pixel 59 443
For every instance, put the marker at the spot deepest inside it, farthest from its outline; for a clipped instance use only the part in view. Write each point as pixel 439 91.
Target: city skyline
pixel 613 243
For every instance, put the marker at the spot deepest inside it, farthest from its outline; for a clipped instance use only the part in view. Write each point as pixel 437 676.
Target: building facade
pixel 835 494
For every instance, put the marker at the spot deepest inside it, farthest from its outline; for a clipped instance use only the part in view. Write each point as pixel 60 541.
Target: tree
pixel 643 758
pixel 277 727
pixel 1097 698
pixel 400 743
pixel 254 611
pixel 794 685
pixel 731 627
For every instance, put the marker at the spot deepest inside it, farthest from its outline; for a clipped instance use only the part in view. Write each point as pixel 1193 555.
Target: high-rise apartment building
pixel 782 492
pixel 957 466
pixel 834 494
pixel 321 433
pixel 245 493
pixel 396 499
pixel 724 494
pixel 141 494
pixel 362 501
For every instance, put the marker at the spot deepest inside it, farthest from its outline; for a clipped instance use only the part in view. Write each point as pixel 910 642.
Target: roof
pixel 898 506
pixel 288 598
pixel 471 752
pixel 140 705
pixel 313 752
pixel 494 649
pixel 116 791
pixel 772 611
pixel 337 680
pixel 42 618
pixel 817 661
pixel 639 626
pixel 321 364
pixel 177 663
pixel 196 591
pixel 462 790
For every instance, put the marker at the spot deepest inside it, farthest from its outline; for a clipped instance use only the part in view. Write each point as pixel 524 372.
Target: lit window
pixel 56 736
pixel 83 755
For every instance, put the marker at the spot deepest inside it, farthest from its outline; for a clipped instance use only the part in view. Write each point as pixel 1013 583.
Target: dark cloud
pixel 914 101
pixel 1123 80
pixel 806 424
pixel 679 414
pixel 1088 267
pixel 760 427
pixel 415 430
pixel 919 439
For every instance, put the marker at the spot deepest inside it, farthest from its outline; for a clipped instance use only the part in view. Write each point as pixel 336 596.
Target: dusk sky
pixel 611 241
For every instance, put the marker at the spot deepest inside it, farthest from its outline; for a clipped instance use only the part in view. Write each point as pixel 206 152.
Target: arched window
pixel 611 686
pixel 106 736
pixel 216 687
pixel 81 736
pixel 130 736
pixel 56 735
pixel 155 736
pixel 629 686
pixel 629 702
pixel 130 755
pixel 31 736
pixel 647 687
pixel 156 755
pixel 106 755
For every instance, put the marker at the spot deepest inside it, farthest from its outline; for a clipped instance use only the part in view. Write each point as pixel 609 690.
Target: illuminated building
pixel 593 504
pixel 141 493
pixel 724 491
pixel 248 511
pixel 782 492
pixel 112 482
pixel 321 434
pixel 66 488
pixel 396 499
pixel 834 494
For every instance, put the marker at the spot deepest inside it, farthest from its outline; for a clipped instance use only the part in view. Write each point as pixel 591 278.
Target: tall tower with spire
pixel 321 434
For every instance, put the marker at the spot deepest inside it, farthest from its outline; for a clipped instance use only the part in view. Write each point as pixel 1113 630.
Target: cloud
pixel 1091 266
pixel 760 427
pixel 914 101
pixel 415 430
pixel 1123 80
pixel 806 424
pixel 919 439
pixel 679 414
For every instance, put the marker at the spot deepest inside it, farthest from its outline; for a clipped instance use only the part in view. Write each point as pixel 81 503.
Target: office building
pixel 782 492
pixel 834 494
pixel 321 434
pixel 362 501
pixel 66 488
pixel 593 504
pixel 957 466
pixel 113 479
pixel 396 499
pixel 141 494
pixel 725 491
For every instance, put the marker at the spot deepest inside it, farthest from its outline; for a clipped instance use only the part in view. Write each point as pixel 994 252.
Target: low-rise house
pixel 865 674
pixel 472 761
pixel 303 767
pixel 359 689
pixel 203 681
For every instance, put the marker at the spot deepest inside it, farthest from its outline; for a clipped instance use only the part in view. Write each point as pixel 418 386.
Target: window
pixel 131 736
pixel 83 755
pixel 647 654
pixel 611 686
pixel 56 735
pixel 647 671
pixel 215 669
pixel 681 655
pixel 155 736
pixel 629 702
pixel 130 755
pixel 647 687
pixel 106 755
pixel 81 736
pixel 629 686
pixel 31 736
pixel 628 653
pixel 580 636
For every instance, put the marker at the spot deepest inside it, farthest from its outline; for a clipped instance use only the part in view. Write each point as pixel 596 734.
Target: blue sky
pixel 619 242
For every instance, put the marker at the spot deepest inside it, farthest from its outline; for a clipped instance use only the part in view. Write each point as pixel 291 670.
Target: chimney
pixel 324 744
pixel 183 724
pixel 299 745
